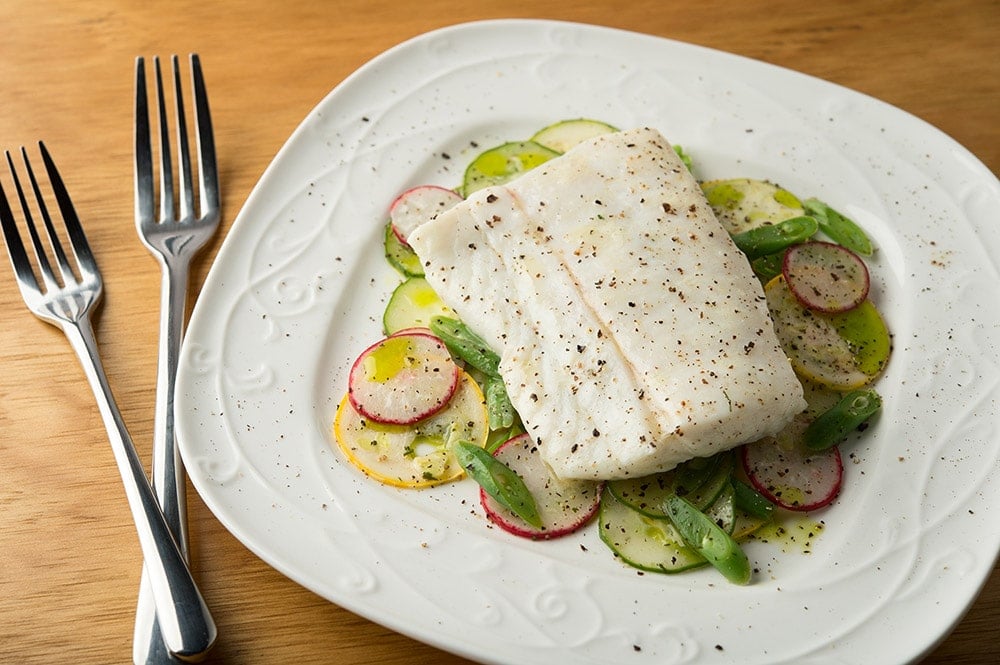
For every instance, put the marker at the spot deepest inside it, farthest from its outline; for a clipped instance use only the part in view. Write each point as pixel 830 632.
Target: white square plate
pixel 299 286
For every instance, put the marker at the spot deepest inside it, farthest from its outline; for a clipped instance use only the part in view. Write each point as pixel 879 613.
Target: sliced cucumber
pixel 866 333
pixel 412 305
pixel 643 542
pixel 700 480
pixel 647 494
pixel 400 256
pixel 841 351
pixel 504 163
pixel 562 136
pixel 742 204
pixel 708 492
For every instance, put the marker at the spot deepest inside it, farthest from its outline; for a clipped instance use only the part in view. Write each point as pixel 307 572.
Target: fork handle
pixel 187 626
pixel 167 470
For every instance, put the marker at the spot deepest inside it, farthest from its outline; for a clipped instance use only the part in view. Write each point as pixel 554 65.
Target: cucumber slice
pixel 708 492
pixel 742 204
pixel 866 334
pixel 647 494
pixel 643 542
pixel 562 136
pixel 840 351
pixel 400 256
pixel 412 305
pixel 504 163
pixel 700 480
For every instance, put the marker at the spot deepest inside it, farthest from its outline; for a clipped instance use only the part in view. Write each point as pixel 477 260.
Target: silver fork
pixel 65 299
pixel 173 237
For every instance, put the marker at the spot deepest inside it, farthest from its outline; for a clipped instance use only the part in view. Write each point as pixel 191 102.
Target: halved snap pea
pixel 465 344
pixel 832 426
pixel 840 229
pixel 497 480
pixel 771 238
pixel 751 501
pixel 472 349
pixel 708 539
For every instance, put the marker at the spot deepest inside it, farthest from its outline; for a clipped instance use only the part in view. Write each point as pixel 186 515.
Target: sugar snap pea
pixel 497 480
pixel 840 229
pixel 498 407
pixel 751 501
pixel 708 539
pixel 768 267
pixel 770 238
pixel 470 347
pixel 832 426
pixel 465 344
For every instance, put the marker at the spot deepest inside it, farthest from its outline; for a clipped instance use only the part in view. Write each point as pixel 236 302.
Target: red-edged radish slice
pixel 417 455
pixel 791 478
pixel 563 505
pixel 418 205
pixel 403 379
pixel 825 277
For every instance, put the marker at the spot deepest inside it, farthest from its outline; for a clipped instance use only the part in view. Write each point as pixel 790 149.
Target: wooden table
pixel 69 559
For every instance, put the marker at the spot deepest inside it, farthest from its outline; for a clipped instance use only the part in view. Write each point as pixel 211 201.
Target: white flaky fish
pixel 633 334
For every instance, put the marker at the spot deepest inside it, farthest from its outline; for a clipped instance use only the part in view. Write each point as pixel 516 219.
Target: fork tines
pixel 32 201
pixel 144 166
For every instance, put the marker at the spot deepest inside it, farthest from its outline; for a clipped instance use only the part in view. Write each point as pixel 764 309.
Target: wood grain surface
pixel 69 559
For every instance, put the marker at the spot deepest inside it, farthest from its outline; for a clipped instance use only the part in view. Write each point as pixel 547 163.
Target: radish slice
pixel 403 379
pixel 563 505
pixel 418 205
pixel 825 277
pixel 417 455
pixel 793 479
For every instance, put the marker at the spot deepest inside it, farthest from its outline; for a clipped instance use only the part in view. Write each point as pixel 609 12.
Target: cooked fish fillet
pixel 632 332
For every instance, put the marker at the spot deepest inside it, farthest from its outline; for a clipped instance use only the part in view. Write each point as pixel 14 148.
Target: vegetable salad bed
pixel 427 405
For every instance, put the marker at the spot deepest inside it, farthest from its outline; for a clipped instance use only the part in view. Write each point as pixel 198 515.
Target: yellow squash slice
pixel 416 455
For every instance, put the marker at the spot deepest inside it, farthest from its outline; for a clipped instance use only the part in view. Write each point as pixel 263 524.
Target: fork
pixel 173 237
pixel 65 299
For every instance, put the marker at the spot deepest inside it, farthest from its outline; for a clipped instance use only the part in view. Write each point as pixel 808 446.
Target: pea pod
pixel 840 229
pixel 832 426
pixel 768 267
pixel 498 406
pixel 710 541
pixel 471 348
pixel 465 344
pixel 771 238
pixel 498 481
pixel 751 501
